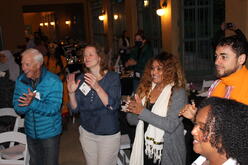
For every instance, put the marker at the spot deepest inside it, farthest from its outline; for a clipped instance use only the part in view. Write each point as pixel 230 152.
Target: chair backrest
pixel 19 122
pixel 123 158
pixel 8 112
pixel 125 142
pixel 206 84
pixel 18 137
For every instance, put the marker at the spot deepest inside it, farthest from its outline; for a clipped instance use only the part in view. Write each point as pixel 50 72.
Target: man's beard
pixel 226 73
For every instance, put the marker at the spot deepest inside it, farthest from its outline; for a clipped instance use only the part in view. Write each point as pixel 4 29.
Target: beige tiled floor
pixel 70 148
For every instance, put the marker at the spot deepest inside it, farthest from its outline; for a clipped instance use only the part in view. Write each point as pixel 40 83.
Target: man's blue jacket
pixel 42 116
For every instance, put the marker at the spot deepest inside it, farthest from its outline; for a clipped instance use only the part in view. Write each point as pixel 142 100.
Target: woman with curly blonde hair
pixel 159 137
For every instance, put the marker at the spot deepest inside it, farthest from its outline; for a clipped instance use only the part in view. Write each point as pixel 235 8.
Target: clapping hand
pixel 135 106
pixel 27 98
pixel 72 85
pixel 91 80
pixel 188 111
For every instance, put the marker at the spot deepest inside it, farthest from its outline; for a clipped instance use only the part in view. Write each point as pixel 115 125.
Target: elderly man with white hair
pixel 38 95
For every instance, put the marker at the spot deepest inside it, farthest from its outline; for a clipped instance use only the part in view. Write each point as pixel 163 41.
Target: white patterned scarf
pixel 153 135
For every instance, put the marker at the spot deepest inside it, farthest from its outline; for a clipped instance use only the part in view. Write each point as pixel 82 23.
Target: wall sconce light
pixel 116 16
pixel 146 3
pixel 52 23
pixel 46 23
pixel 41 24
pixel 102 16
pixel 162 10
pixel 67 22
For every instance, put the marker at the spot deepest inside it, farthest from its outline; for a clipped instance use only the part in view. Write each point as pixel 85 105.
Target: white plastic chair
pixel 19 122
pixel 19 155
pixel 13 152
pixel 123 159
pixel 206 84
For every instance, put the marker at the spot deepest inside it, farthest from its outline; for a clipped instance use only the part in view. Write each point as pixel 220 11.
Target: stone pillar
pixel 108 23
pixel 131 18
pixel 171 33
pixel 88 22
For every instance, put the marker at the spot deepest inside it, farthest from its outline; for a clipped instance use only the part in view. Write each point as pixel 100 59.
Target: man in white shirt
pixel 221 132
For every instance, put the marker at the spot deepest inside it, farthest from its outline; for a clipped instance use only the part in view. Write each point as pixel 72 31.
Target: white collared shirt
pixel 201 159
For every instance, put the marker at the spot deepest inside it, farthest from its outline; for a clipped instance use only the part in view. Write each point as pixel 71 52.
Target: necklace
pixel 153 95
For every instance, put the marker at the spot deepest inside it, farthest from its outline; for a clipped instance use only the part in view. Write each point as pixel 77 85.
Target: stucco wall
pixel 236 12
pixel 12 24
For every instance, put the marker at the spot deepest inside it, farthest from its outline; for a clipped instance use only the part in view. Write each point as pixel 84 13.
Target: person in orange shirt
pixel 56 63
pixel 230 54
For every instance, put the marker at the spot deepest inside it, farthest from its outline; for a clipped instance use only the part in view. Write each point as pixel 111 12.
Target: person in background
pixel 159 97
pixel 124 45
pixel 221 33
pixel 38 95
pixel 40 44
pixel 9 71
pixel 220 132
pixel 139 56
pixel 30 41
pixel 56 63
pixel 231 53
pixel 96 95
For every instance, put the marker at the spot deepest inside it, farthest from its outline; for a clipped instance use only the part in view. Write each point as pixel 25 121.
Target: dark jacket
pixel 141 56
pixel 6 90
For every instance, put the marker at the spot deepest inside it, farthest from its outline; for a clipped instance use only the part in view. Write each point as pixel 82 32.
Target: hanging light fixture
pixel 162 10
pixel 102 16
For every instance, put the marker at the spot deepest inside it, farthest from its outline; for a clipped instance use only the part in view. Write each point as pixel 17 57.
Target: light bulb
pixel 160 11
pixel 116 16
pixel 146 3
pixel 101 17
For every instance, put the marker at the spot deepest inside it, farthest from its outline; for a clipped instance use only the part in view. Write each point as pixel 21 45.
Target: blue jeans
pixel 43 151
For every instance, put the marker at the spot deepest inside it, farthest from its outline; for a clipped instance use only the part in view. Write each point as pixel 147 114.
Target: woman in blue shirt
pixel 96 95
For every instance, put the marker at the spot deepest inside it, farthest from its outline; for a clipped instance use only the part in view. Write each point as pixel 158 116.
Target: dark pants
pixel 43 151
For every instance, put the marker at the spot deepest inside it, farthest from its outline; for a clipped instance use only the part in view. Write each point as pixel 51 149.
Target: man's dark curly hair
pixel 227 127
pixel 238 45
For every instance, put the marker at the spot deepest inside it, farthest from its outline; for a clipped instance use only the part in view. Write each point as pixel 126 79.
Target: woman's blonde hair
pixel 172 72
